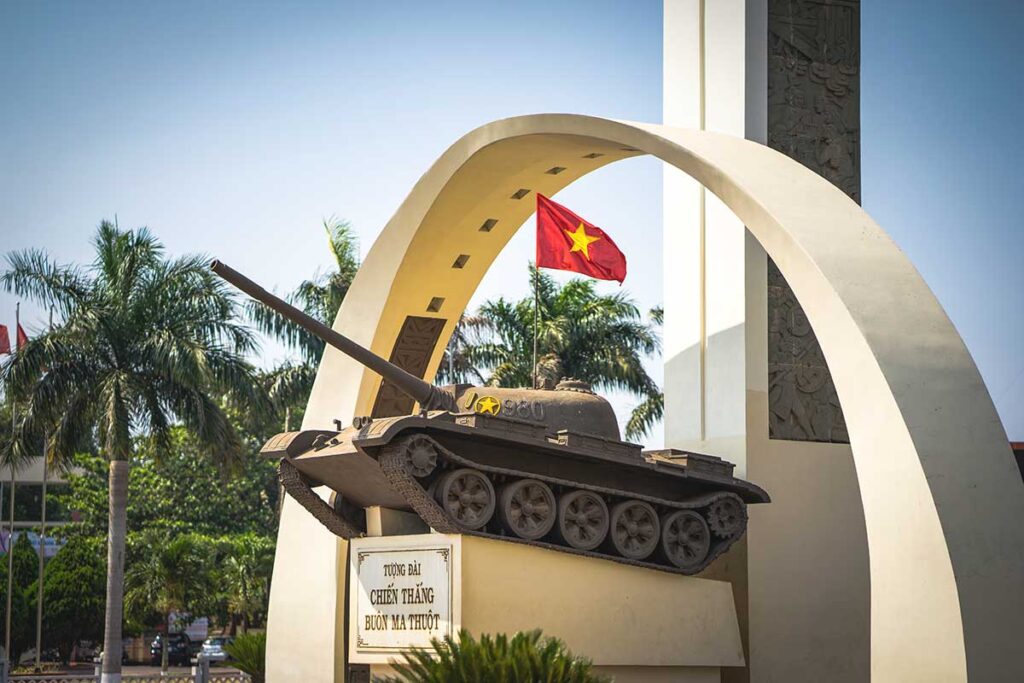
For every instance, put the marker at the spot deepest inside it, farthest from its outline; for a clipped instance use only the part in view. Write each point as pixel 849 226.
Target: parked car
pixel 179 650
pixel 213 648
pixel 124 655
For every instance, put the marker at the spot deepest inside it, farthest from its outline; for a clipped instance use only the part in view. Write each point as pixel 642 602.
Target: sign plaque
pixel 403 591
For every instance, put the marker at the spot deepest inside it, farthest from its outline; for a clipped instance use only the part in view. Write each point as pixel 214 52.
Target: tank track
pixel 299 489
pixel 393 463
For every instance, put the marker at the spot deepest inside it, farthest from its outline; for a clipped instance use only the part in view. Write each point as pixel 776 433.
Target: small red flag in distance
pixel 22 337
pixel 5 340
pixel 567 242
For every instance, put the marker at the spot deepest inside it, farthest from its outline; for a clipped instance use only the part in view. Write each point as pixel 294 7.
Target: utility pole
pixel 10 535
pixel 42 550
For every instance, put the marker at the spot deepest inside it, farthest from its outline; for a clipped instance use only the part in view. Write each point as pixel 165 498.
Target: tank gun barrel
pixel 427 395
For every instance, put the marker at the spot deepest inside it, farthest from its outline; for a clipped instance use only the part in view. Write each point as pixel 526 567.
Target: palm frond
pixel 144 342
pixel 603 339
pixel 32 274
pixel 645 416
pixel 526 656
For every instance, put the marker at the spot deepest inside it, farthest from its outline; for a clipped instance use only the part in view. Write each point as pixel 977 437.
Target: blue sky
pixel 233 128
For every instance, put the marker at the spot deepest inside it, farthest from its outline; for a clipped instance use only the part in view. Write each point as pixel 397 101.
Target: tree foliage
pixel 142 342
pixel 524 658
pixel 173 575
pixel 73 595
pixel 180 491
pixel 245 577
pixel 25 561
pixel 290 383
pixel 602 339
pixel 26 571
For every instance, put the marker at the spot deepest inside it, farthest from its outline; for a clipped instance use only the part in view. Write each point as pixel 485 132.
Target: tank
pixel 545 467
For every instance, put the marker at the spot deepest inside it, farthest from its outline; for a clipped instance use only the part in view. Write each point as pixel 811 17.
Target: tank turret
pixel 539 466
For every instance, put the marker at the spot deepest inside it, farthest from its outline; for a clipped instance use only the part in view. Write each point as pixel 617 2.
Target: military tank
pixel 545 467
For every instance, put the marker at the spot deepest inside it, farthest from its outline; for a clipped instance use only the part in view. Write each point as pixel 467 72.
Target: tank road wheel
pixel 635 528
pixel 419 456
pixel 527 508
pixel 582 519
pixel 467 496
pixel 727 517
pixel 685 539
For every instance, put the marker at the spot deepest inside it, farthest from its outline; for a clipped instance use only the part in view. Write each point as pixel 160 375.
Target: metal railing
pixel 213 677
pixel 200 674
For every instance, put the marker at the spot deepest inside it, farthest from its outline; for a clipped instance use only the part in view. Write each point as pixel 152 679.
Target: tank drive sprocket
pixel 727 517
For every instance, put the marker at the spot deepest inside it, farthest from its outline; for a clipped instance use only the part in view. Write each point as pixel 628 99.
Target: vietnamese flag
pixel 22 337
pixel 567 242
pixel 5 340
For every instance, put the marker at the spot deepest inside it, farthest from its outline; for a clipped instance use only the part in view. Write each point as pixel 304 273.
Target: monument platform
pixel 634 623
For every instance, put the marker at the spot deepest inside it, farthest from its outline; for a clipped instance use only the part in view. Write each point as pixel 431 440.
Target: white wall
pixel 704 88
pixel 806 577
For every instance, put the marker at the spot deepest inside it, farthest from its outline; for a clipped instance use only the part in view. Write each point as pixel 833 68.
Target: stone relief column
pixel 813 117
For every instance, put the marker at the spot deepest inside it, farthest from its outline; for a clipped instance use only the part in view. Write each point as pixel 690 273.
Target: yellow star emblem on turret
pixel 581 241
pixel 487 405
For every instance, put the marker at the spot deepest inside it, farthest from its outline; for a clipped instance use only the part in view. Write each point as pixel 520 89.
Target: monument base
pixel 635 624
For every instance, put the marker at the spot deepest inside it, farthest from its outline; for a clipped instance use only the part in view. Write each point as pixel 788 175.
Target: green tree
pixel 523 658
pixel 245 576
pixel 602 339
pixel 25 561
pixel 181 491
pixel 174 575
pixel 26 568
pixel 141 342
pixel 289 384
pixel 73 587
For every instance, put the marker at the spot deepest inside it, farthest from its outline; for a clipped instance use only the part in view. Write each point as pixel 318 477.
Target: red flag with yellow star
pixel 567 242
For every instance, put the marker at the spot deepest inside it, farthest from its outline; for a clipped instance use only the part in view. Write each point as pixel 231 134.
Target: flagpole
pixel 42 550
pixel 10 535
pixel 536 316
pixel 537 292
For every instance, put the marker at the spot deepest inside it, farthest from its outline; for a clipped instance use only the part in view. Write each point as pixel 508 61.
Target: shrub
pixel 248 652
pixel 74 595
pixel 524 658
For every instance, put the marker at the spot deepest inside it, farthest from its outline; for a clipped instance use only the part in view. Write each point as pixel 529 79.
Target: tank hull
pixel 375 464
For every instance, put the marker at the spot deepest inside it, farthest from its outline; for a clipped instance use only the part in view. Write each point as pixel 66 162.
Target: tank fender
pixel 291 444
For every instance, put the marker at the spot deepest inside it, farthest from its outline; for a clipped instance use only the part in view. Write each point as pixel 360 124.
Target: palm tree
pixel 172 576
pixel 245 573
pixel 602 339
pixel 523 658
pixel 141 342
pixel 320 298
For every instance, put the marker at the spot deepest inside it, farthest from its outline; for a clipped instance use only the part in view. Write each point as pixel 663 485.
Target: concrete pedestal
pixel 635 624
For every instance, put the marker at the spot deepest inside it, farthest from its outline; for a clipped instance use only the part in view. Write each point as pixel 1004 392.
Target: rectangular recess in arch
pixel 412 352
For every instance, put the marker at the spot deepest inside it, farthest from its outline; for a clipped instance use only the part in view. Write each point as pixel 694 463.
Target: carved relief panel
pixel 412 351
pixel 813 117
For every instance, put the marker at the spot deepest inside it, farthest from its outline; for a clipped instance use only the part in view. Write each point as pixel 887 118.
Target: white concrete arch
pixel 942 497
